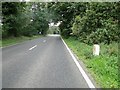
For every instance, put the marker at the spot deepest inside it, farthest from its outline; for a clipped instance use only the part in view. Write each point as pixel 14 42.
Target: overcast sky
pixel 52 24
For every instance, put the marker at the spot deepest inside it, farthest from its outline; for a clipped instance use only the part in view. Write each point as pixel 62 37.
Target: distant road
pixel 40 63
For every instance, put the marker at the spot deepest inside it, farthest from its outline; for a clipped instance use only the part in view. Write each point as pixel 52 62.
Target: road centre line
pixel 33 47
pixel 90 84
pixel 44 40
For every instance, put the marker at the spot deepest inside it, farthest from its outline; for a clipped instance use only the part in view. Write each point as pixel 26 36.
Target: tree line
pixel 89 22
pixel 21 18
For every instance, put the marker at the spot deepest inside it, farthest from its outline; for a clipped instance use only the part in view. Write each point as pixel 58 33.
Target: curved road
pixel 40 63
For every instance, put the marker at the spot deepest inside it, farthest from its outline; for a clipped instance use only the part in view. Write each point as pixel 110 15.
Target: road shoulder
pixel 90 81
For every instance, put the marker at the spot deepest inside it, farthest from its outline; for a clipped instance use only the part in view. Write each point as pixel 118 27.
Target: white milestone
pixel 96 49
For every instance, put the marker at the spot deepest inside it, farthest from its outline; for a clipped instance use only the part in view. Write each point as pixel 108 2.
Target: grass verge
pixel 103 68
pixel 16 40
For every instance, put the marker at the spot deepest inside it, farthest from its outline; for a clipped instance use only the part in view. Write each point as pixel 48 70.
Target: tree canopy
pixel 89 22
pixel 20 18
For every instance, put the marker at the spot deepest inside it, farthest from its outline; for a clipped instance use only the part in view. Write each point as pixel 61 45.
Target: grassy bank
pixel 103 68
pixel 15 40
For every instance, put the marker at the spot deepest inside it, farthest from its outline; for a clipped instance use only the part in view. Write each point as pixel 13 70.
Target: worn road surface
pixel 40 63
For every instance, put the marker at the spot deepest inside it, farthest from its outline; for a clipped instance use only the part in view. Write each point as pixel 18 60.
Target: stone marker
pixel 96 49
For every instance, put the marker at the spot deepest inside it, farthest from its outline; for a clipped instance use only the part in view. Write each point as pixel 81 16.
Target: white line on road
pixel 44 40
pixel 90 84
pixel 33 47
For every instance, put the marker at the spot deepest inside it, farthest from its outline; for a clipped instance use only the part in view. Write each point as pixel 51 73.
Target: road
pixel 40 63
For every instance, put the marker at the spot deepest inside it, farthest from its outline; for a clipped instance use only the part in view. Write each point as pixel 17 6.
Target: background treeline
pixel 89 22
pixel 20 18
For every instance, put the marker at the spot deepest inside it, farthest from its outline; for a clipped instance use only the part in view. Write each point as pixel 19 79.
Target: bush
pixel 65 33
pixel 104 67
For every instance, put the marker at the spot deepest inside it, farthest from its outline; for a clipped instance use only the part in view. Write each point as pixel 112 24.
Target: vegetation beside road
pixel 93 23
pixel 104 68
pixel 24 19
pixel 89 22
pixel 13 40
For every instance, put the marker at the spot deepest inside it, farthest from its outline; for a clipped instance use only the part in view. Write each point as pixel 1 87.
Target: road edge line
pixel 87 79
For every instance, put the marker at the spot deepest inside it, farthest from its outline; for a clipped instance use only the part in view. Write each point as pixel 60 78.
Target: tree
pixel 20 18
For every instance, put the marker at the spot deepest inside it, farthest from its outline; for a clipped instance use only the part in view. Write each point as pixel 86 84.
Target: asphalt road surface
pixel 40 63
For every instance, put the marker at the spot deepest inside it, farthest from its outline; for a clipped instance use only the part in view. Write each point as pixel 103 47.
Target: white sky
pixel 25 0
pixel 52 24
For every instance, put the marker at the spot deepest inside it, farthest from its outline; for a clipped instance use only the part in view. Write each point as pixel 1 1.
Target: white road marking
pixel 33 47
pixel 90 84
pixel 44 40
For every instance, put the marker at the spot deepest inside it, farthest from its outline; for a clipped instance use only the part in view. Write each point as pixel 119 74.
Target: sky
pixel 52 24
pixel 25 0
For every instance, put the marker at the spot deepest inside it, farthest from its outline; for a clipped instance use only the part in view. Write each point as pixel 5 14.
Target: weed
pixel 104 68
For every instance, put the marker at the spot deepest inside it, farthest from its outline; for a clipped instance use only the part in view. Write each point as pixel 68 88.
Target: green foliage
pixel 20 18
pixel 64 13
pixel 104 68
pixel 65 33
pixel 78 25
pixel 91 22
pixel 99 24
pixel 10 12
pixel 53 30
